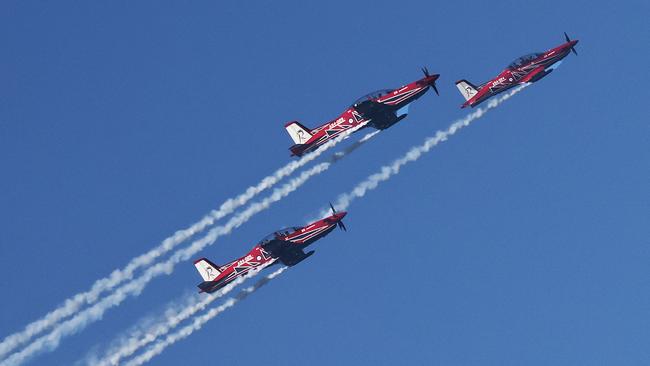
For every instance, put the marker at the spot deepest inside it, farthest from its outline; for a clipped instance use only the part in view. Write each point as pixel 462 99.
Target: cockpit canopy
pixel 524 59
pixel 273 235
pixel 373 95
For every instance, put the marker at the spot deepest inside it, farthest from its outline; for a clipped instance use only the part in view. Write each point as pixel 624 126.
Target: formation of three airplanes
pixel 379 110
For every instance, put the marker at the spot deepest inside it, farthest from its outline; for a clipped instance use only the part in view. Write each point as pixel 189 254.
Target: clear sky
pixel 524 239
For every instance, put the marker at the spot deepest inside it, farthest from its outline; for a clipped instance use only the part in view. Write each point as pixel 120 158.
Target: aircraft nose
pixel 574 42
pixel 341 215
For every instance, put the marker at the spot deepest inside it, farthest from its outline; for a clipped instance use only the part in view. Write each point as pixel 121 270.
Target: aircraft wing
pixel 536 74
pixel 294 256
pixel 288 253
pixel 368 108
pixel 380 115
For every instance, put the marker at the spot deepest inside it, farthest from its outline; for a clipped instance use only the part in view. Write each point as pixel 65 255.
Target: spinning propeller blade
pixel 342 226
pixel 425 71
pixel 569 40
pixel 340 223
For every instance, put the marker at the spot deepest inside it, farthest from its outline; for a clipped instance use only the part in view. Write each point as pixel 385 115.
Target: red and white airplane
pixel 285 245
pixel 525 69
pixel 380 110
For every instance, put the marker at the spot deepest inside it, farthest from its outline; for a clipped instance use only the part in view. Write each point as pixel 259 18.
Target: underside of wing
pixel 288 253
pixel 368 108
pixel 380 115
pixel 536 74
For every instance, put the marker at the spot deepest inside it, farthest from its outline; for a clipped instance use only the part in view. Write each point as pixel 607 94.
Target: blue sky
pixel 522 240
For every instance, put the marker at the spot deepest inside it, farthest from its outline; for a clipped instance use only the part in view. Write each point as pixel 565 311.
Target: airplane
pixel 284 246
pixel 380 109
pixel 525 69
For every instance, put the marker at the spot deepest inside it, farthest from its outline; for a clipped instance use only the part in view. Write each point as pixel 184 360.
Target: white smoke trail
pixel 136 340
pixel 133 288
pixel 74 303
pixel 78 322
pixel 355 145
pixel 144 334
pixel 344 200
pixel 198 322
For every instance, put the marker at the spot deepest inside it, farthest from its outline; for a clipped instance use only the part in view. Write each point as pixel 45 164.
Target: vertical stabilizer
pixel 299 133
pixel 208 270
pixel 467 89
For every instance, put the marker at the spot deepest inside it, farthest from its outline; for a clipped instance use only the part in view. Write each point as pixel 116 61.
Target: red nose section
pixel 429 80
pixel 569 44
pixel 336 217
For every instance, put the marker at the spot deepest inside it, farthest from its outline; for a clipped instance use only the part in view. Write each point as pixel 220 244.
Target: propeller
pixel 426 73
pixel 434 88
pixel 569 40
pixel 342 226
pixel 340 223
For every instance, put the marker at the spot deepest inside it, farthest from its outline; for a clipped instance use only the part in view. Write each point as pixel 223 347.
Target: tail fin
pixel 208 270
pixel 467 89
pixel 299 133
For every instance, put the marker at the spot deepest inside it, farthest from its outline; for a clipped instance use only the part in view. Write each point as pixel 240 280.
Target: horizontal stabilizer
pixel 298 149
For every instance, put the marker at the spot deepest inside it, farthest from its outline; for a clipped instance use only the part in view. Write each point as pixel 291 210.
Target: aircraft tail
pixel 208 270
pixel 467 89
pixel 299 133
pixel 298 149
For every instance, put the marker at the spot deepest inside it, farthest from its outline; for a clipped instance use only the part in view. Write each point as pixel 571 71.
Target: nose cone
pixel 569 46
pixel 340 215
pixel 432 79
